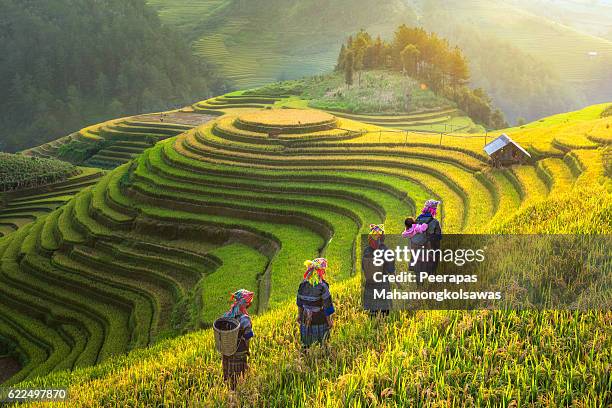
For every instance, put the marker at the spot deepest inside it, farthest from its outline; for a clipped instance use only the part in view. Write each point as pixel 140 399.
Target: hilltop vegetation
pixel 31 187
pixel 377 92
pixel 18 172
pixel 69 63
pixel 423 56
pixel 223 207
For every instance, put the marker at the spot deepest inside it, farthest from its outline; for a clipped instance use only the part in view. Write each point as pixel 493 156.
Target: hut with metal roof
pixel 504 151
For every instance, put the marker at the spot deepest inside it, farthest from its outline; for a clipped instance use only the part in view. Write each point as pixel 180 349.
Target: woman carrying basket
pixel 236 365
pixel 315 306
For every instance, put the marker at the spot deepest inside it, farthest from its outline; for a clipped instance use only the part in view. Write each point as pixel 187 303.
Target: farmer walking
pixel 315 306
pixel 236 365
pixel 376 242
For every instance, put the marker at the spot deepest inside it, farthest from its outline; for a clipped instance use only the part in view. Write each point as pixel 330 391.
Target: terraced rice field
pixel 233 101
pixel 152 248
pixel 262 64
pixel 435 121
pixel 113 143
pixel 51 149
pixel 22 207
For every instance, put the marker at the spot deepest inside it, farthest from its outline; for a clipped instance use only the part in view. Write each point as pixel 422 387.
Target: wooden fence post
pixel 441 138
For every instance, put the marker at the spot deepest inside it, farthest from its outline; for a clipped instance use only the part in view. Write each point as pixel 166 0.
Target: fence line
pixel 484 137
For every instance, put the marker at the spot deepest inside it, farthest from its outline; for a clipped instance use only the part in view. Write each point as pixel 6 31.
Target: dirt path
pixel 183 118
pixel 8 367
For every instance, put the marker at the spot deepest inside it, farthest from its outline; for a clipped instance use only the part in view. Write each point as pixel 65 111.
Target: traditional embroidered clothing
pixel 377 231
pixel 369 269
pixel 315 270
pixel 314 304
pixel 237 364
pixel 242 300
pixel 433 233
pixel 430 207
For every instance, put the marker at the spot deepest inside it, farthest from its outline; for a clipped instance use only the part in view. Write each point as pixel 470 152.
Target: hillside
pixel 58 73
pixel 530 65
pixel 255 43
pixel 589 17
pixel 110 144
pixel 31 187
pixel 224 204
pixel 561 47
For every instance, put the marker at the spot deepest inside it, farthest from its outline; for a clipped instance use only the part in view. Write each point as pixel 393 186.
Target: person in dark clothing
pixel 236 365
pixel 376 239
pixel 315 305
pixel 433 232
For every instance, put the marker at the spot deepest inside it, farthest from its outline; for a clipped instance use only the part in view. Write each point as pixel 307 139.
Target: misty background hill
pixel 70 63
pixel 533 58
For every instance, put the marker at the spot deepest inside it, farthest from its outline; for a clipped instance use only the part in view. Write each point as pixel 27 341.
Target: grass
pixel 377 92
pixel 245 270
pixel 154 248
pixel 443 356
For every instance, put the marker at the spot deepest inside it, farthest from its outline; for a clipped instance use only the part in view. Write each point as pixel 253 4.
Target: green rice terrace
pixel 31 187
pixel 110 144
pixel 152 249
pixel 380 98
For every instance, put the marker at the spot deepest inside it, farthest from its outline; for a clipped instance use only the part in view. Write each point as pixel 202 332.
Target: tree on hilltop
pixel 410 58
pixel 348 68
pixel 424 56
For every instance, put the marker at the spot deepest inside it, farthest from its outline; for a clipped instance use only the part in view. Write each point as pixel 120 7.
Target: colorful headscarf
pixel 431 207
pixel 317 265
pixel 241 301
pixel 376 232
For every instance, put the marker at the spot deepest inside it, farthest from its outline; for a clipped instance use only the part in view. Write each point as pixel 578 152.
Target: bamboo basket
pixel 226 335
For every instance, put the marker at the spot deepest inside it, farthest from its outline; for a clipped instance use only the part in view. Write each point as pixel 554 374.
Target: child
pixel 413 228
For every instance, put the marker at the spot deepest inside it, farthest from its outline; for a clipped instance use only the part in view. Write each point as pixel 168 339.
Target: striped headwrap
pixel 241 299
pixel 317 265
pixel 376 232
pixel 431 207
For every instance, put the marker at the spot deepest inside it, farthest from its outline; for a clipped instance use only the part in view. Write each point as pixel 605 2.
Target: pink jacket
pixel 415 229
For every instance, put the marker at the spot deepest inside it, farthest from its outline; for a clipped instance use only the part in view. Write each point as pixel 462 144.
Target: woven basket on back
pixel 226 335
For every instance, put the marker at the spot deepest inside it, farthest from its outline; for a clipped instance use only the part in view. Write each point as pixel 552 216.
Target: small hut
pixel 504 151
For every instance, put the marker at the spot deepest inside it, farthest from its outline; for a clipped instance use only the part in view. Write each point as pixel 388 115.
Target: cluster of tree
pixel 426 57
pixel 69 63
